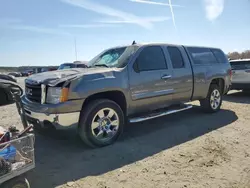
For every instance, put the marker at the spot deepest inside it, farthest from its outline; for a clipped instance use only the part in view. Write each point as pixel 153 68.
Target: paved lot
pixel 188 149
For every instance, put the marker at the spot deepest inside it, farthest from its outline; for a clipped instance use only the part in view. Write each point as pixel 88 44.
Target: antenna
pixel 134 42
pixel 75 50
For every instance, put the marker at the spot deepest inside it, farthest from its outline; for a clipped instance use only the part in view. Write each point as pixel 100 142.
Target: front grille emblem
pixel 28 91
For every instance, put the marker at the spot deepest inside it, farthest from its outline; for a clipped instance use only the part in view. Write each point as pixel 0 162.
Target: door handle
pixel 165 77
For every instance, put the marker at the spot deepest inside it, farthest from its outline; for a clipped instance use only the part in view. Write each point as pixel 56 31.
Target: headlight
pixel 56 95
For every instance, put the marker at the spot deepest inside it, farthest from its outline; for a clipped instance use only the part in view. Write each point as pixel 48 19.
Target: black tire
pixel 87 115
pixel 206 104
pixel 18 182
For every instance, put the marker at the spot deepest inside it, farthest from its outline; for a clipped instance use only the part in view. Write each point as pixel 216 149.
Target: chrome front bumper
pixel 59 121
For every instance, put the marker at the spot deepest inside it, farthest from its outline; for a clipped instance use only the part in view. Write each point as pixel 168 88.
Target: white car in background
pixel 241 74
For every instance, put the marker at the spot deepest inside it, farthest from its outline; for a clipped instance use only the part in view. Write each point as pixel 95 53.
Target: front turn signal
pixel 64 94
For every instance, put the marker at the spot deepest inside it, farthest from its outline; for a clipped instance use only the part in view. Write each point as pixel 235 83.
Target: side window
pixel 220 56
pixel 176 57
pixel 202 56
pixel 151 58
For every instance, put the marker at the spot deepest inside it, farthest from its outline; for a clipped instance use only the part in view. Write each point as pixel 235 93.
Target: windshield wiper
pixel 101 65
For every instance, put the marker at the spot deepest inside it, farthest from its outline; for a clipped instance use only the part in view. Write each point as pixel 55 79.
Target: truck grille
pixel 33 92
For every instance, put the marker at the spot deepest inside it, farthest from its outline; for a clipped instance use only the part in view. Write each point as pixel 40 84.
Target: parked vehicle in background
pixel 48 69
pixel 5 95
pixel 52 69
pixel 16 74
pixel 25 73
pixel 241 74
pixel 77 64
pixel 44 69
pixel 30 72
pixel 131 83
pixel 8 77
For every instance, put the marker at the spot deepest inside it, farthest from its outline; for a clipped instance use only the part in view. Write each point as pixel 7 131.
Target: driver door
pixel 150 81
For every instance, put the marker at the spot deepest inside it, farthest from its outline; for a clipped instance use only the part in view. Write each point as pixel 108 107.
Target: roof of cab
pixel 169 44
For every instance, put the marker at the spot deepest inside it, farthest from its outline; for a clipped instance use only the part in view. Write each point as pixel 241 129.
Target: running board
pixel 159 114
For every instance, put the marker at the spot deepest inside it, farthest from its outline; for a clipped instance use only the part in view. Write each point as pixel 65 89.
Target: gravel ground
pixel 188 149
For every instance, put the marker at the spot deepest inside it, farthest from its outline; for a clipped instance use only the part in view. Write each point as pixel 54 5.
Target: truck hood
pixel 55 77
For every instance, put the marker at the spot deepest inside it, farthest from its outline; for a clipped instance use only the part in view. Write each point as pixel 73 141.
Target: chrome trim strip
pixel 144 95
pixel 140 119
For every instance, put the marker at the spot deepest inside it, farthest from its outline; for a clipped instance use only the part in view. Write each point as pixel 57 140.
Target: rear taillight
pixel 230 74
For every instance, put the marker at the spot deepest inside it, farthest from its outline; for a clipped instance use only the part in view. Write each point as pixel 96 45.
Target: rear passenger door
pixel 182 76
pixel 150 80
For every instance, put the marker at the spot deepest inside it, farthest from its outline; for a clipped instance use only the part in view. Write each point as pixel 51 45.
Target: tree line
pixel 239 55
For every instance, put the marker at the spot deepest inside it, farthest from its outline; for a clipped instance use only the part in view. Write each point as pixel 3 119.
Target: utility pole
pixel 75 50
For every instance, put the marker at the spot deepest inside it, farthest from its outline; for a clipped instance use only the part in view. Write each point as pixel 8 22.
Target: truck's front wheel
pixel 212 103
pixel 101 123
pixel 18 182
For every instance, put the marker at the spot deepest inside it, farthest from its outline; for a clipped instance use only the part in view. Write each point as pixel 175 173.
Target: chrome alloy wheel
pixel 105 124
pixel 215 99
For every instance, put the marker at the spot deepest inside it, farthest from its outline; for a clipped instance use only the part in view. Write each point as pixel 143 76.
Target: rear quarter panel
pixel 203 76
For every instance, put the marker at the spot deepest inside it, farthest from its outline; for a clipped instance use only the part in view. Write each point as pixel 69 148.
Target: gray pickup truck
pixel 127 84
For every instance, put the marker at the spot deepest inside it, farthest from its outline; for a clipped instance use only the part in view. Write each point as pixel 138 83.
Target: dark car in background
pixel 15 74
pixel 8 77
pixel 25 73
pixel 5 95
pixel 48 69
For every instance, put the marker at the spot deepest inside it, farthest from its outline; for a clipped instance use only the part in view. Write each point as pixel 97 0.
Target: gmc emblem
pixel 28 91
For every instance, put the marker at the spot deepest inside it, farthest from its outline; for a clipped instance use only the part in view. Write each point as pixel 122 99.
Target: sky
pixel 44 32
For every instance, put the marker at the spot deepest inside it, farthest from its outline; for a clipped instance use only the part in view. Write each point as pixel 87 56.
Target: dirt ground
pixel 188 149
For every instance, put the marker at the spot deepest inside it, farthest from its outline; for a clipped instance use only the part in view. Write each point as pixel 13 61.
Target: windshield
pixel 66 66
pixel 115 57
pixel 240 65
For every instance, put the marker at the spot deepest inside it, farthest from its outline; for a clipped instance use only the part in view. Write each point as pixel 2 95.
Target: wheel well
pixel 116 96
pixel 219 82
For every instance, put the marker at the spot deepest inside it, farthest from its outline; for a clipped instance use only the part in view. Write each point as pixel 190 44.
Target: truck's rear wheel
pixel 101 123
pixel 212 103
